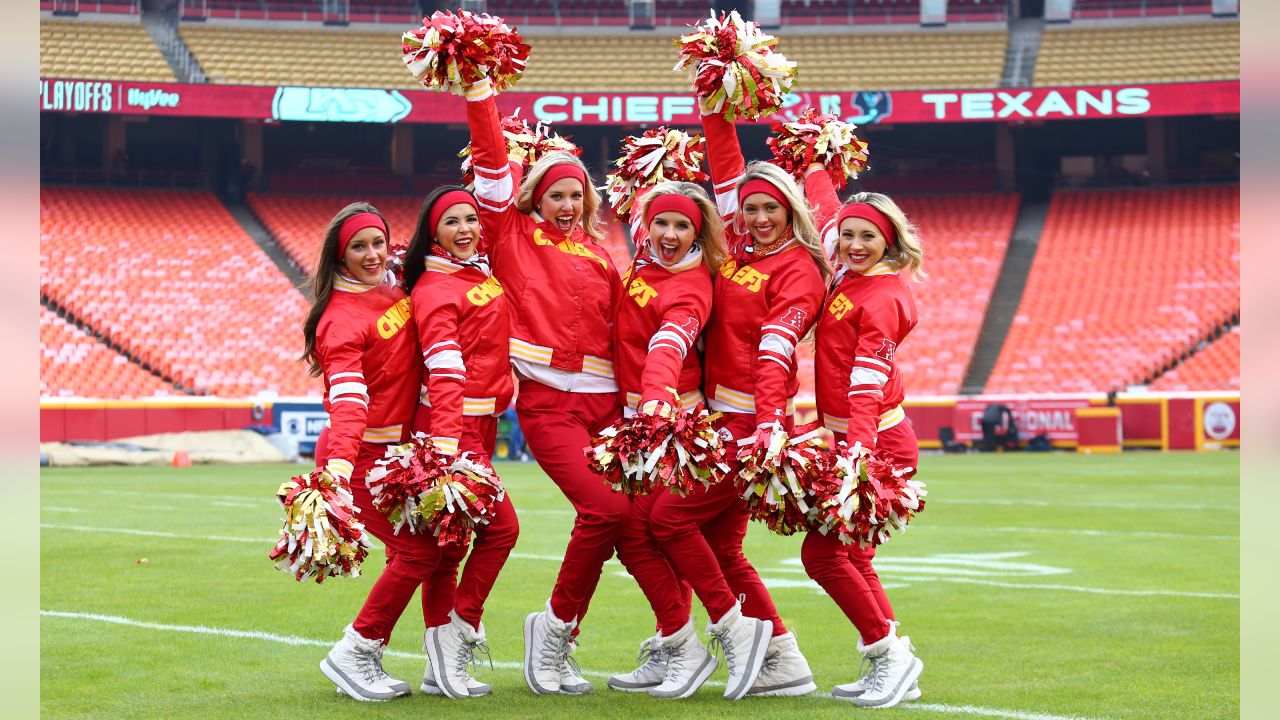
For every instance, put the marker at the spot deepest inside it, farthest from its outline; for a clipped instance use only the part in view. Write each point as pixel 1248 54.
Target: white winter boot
pixel 546 647
pixel 785 672
pixel 450 648
pixel 688 663
pixel 894 670
pixel 653 668
pixel 743 641
pixel 851 690
pixel 571 680
pixel 355 666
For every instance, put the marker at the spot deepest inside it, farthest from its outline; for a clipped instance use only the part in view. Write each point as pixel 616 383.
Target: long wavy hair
pixel 320 285
pixel 803 227
pixel 711 236
pixel 907 254
pixel 415 258
pixel 527 203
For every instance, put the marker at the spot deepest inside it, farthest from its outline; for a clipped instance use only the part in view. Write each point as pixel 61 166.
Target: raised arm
pixel 824 202
pixel 436 318
pixel 497 176
pixel 724 161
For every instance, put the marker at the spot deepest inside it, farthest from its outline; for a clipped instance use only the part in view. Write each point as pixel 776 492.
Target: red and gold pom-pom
pixel 659 154
pixel 648 453
pixel 734 68
pixel 525 144
pixel 777 472
pixel 866 497
pixel 819 138
pixel 398 479
pixel 321 536
pixel 395 259
pixel 466 495
pixel 451 52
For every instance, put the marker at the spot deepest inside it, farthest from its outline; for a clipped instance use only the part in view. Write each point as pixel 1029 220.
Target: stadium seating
pixel 89 50
pixel 170 277
pixel 1175 52
pixel 1091 9
pixel 1122 283
pixel 75 364
pixel 363 58
pixel 1214 367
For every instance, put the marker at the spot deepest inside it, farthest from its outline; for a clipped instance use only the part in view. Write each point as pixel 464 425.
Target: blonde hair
pixel 803 228
pixel 711 236
pixel 527 203
pixel 907 253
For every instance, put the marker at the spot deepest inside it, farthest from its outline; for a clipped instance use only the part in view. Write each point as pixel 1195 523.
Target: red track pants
pixel 558 427
pixel 845 571
pixel 668 594
pixel 702 535
pixel 489 552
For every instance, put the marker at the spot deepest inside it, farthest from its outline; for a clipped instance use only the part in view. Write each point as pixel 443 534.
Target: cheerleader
pixel 869 312
pixel 460 313
pixel 766 299
pixel 667 302
pixel 357 340
pixel 563 286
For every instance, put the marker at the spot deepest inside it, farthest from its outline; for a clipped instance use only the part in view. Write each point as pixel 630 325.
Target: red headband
pixel 446 201
pixel 355 224
pixel 760 185
pixel 871 214
pixel 556 172
pixel 674 202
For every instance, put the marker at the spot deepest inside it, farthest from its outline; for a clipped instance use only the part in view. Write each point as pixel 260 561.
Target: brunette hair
pixel 415 258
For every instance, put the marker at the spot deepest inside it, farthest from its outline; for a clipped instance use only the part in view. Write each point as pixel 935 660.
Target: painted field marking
pixel 51 508
pixel 504 665
pixel 1086 532
pixel 995 564
pixel 942 499
pixel 1083 589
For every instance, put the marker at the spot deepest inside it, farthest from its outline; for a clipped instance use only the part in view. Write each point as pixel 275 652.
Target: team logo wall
pixel 1219 420
pixel 859 108
pixel 339 105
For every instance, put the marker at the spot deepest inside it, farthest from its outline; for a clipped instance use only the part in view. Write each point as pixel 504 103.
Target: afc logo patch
pixel 795 317
pixel 690 328
pixel 887 349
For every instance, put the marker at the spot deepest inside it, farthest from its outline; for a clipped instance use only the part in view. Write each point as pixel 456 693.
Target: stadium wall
pixel 1168 421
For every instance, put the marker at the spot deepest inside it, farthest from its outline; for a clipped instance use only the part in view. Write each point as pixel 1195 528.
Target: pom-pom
pixel 321 536
pixel 659 154
pixel 647 453
pixel 818 138
pixel 465 496
pixel 734 68
pixel 777 471
pixel 525 144
pixel 451 52
pixel 396 481
pixel 865 497
pixel 396 253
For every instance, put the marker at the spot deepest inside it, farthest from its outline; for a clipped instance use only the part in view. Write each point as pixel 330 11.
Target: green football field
pixel 1034 587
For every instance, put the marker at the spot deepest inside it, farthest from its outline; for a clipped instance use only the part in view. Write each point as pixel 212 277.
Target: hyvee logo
pixel 147 99
pixel 1087 102
pixel 75 95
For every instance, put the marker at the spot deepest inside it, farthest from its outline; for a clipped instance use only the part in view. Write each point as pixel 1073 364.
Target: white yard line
pixel 1078 588
pixel 943 499
pixel 1087 532
pixel 308 642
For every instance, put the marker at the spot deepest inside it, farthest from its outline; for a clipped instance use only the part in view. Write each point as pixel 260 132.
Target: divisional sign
pixel 300 421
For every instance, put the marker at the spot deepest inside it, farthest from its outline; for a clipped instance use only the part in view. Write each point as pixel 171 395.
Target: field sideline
pixel 1035 587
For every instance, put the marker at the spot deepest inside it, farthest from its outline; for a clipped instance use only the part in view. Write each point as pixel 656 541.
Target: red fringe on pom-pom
pixel 451 52
pixel 659 154
pixel 776 475
pixel 525 143
pixel 818 138
pixel 865 496
pixel 321 536
pixel 462 498
pixel 647 453
pixel 734 68
pixel 406 472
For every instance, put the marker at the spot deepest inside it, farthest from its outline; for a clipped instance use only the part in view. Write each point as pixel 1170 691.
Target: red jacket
pixel 562 289
pixel 367 347
pixel 461 314
pixel 657 326
pixel 859 387
pixel 761 307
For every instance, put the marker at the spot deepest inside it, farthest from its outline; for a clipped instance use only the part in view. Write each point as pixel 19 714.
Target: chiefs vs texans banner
pixel 370 105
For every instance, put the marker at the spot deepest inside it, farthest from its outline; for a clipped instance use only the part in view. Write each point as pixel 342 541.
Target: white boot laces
pixel 721 641
pixel 554 651
pixel 650 655
pixel 369 665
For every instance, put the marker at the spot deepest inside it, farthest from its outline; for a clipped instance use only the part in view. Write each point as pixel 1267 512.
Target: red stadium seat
pixel 73 363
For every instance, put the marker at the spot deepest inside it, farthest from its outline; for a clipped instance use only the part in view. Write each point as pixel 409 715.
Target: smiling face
pixel 561 204
pixel 765 217
pixel 671 234
pixel 458 231
pixel 366 256
pixel 860 245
